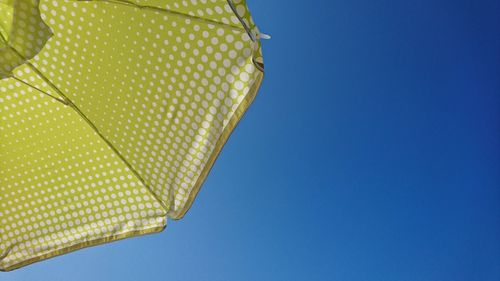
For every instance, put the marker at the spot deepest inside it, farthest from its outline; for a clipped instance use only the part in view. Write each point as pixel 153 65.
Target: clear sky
pixel 371 153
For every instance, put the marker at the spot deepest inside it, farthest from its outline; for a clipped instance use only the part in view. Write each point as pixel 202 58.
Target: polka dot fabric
pixel 150 92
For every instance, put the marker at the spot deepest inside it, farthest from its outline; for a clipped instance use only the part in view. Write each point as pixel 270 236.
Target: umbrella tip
pixel 265 36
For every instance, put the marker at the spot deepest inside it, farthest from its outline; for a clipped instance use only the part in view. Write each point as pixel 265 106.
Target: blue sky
pixel 371 153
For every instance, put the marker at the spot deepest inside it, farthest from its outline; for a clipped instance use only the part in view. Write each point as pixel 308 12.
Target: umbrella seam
pixel 39 90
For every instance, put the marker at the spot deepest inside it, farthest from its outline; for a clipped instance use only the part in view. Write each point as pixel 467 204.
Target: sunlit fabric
pixel 112 114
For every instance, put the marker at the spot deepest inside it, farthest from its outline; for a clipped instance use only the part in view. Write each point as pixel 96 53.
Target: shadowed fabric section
pixel 24 33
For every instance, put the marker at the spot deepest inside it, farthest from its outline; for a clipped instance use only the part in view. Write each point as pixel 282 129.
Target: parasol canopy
pixel 112 114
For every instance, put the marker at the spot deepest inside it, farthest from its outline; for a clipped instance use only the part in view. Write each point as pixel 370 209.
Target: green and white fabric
pixel 112 114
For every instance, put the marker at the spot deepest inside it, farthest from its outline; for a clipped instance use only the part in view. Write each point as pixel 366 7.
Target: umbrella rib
pixel 242 21
pixel 40 90
pixel 154 8
pixel 96 130
pixel 24 82
pixel 2 37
